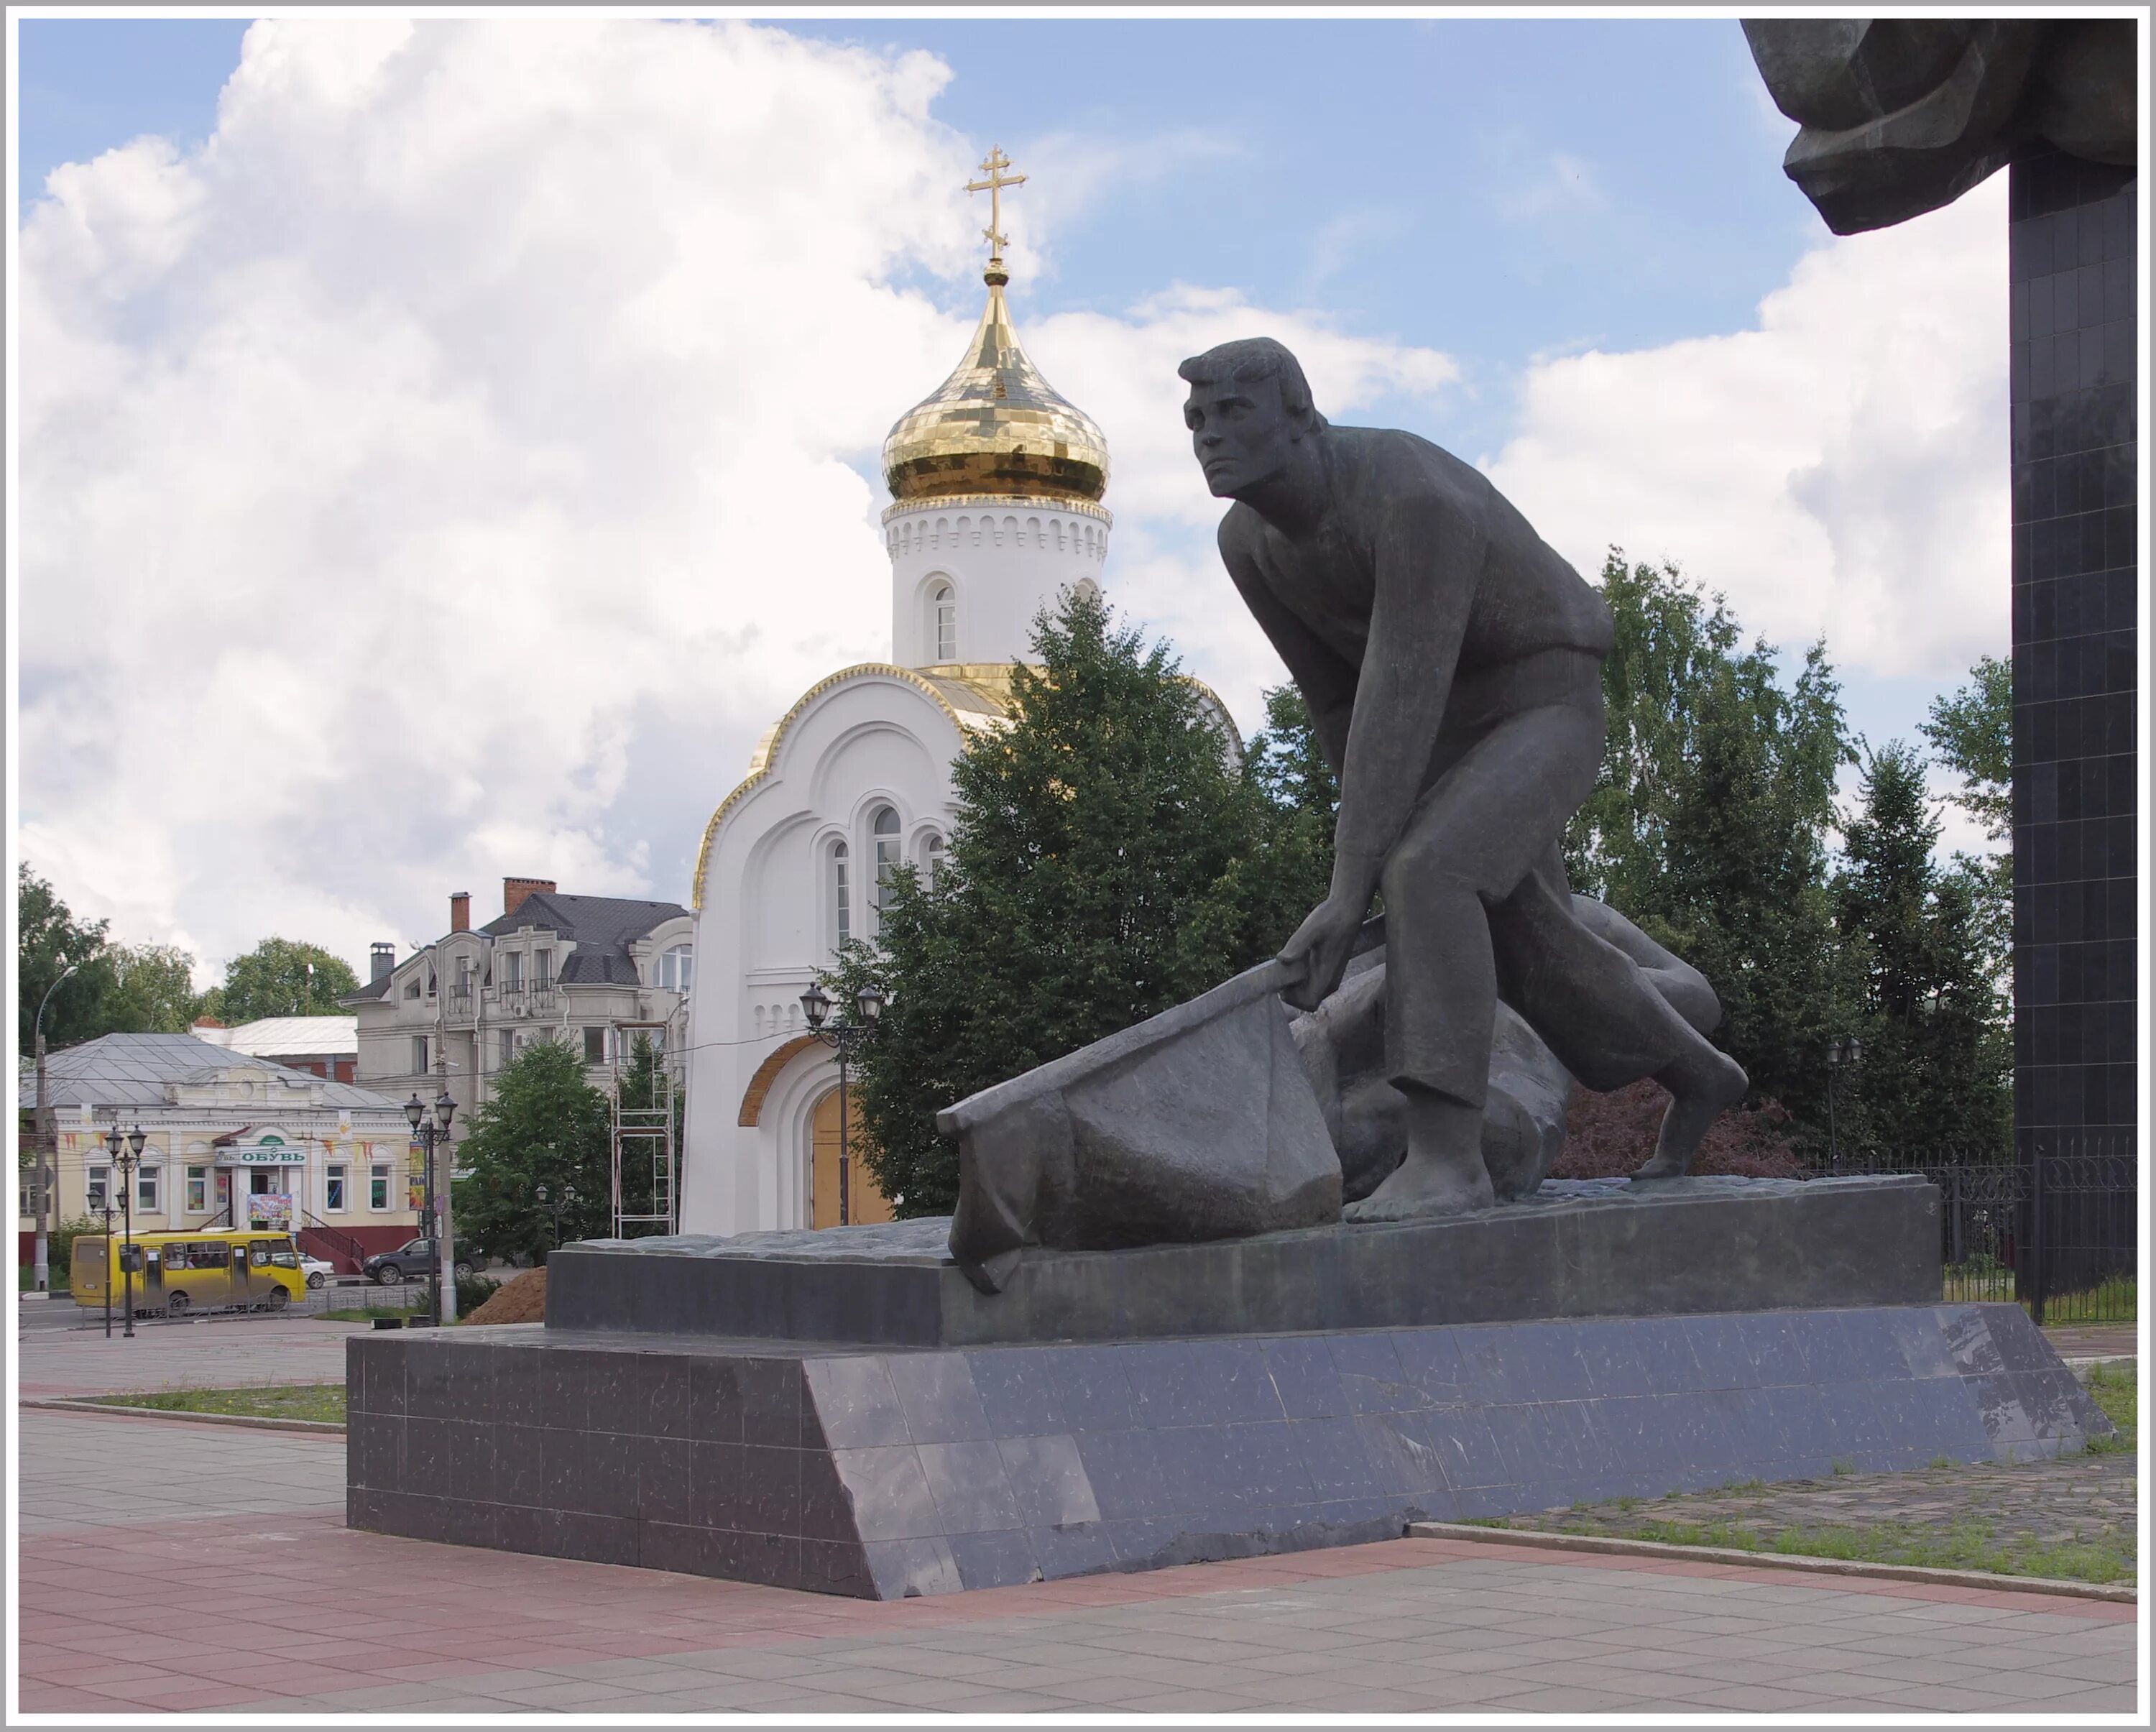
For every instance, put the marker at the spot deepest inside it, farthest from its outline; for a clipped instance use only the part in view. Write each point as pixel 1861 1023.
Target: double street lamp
pixel 432 1130
pixel 126 1148
pixel 844 1038
pixel 568 1196
pixel 1840 1054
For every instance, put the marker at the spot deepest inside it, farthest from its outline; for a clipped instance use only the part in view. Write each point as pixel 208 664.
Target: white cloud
pixel 1840 468
pixel 452 468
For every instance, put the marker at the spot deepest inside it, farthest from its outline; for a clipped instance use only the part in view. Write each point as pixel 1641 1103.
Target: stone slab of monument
pixel 1579 1248
pixel 885 1472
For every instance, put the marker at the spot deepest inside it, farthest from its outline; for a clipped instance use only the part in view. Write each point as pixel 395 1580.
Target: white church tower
pixel 996 485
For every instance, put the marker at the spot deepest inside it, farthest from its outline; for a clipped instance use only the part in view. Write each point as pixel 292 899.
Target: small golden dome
pixel 995 427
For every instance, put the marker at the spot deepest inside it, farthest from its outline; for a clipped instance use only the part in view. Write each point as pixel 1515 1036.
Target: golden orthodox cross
pixel 995 162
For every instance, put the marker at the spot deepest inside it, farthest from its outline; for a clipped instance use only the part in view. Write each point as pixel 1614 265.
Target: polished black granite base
pixel 889 1472
pixel 1584 1248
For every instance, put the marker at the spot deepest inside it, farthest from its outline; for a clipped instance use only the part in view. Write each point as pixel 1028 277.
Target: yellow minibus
pixel 210 1269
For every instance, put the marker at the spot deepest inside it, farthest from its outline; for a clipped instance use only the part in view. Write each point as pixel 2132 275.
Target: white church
pixel 996 485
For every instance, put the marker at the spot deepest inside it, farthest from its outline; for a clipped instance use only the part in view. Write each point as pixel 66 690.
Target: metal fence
pixel 2056 1229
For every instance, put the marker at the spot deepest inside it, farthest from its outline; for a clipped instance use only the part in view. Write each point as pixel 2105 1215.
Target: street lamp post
pixel 857 1030
pixel 40 1270
pixel 126 1151
pixel 107 1266
pixel 434 1129
pixel 554 1209
pixel 1840 1054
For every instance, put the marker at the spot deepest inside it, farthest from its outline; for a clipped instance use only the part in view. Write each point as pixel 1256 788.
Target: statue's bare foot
pixel 1702 1085
pixel 1420 1188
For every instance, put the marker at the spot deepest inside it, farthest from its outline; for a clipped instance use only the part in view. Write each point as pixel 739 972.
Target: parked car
pixel 316 1270
pixel 410 1262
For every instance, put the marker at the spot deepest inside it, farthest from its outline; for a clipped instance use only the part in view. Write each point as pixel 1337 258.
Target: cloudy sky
pixel 446 446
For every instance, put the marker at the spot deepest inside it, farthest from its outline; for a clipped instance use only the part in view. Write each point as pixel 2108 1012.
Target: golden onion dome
pixel 995 426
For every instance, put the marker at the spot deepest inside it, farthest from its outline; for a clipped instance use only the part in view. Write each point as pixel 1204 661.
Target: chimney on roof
pixel 381 960
pixel 461 911
pixel 514 891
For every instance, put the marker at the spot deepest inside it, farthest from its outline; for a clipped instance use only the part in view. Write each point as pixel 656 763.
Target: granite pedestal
pixel 888 1467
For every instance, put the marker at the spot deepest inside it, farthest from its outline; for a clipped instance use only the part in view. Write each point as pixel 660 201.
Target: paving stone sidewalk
pixel 2049 1502
pixel 211 1352
pixel 321 1618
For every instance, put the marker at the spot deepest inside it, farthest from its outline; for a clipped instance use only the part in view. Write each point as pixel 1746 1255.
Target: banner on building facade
pixel 270 1211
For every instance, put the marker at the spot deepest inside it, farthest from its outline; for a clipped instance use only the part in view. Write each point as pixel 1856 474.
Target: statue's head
pixel 1248 410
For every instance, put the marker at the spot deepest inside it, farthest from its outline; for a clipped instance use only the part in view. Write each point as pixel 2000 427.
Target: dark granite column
pixel 2076 777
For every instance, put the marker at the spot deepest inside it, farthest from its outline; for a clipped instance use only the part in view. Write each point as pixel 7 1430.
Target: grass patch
pixel 322 1401
pixel 1968 1543
pixel 2115 1387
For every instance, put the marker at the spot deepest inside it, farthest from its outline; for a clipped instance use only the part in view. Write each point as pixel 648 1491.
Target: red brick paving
pixel 90 1596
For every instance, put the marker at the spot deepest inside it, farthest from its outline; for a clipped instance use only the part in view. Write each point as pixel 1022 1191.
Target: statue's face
pixel 1241 434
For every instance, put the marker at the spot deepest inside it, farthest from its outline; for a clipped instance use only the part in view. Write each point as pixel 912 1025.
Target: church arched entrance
pixel 864 1202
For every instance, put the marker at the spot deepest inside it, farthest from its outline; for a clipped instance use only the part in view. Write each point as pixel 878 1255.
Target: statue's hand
pixel 1317 955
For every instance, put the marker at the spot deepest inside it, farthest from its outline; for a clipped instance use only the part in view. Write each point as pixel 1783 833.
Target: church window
pixel 884 828
pixel 842 912
pixel 676 967
pixel 943 621
pixel 932 854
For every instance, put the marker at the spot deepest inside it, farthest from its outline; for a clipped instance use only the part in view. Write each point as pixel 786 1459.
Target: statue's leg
pixel 1475 833
pixel 1605 1017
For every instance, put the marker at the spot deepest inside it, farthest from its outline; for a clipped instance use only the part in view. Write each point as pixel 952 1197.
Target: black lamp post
pixel 432 1129
pixel 1839 1054
pixel 125 1150
pixel 555 1208
pixel 843 1038
pixel 108 1265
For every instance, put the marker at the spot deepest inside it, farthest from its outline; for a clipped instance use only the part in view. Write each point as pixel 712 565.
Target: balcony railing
pixel 456 1006
pixel 535 998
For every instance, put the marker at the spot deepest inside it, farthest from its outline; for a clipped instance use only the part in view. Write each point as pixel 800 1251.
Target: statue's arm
pixel 1326 682
pixel 1429 560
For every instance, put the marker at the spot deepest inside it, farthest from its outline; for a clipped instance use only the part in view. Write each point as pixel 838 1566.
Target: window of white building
pixel 842 907
pixel 885 830
pixel 676 968
pixel 333 1188
pixel 542 970
pixel 509 968
pixel 199 1191
pixel 377 1186
pixel 146 1188
pixel 100 1182
pixel 595 1045
pixel 418 1055
pixel 508 1047
pixel 943 621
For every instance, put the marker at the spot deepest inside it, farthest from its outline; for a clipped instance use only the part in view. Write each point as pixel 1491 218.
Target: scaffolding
pixel 643 1142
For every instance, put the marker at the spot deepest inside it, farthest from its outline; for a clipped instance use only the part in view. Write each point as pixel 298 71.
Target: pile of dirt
pixel 522 1299
pixel 1607 1135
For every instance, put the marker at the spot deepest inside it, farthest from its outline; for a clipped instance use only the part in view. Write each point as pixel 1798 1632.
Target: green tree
pixel 1971 732
pixel 48 939
pixel 1097 873
pixel 1283 867
pixel 546 1126
pixel 1709 826
pixel 281 977
pixel 1937 1063
pixel 153 991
